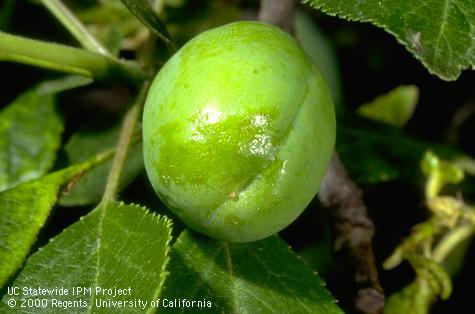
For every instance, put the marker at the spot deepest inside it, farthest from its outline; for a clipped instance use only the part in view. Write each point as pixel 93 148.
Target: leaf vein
pixel 278 278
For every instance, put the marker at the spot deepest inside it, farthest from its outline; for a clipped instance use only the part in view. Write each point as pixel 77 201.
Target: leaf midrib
pixel 99 247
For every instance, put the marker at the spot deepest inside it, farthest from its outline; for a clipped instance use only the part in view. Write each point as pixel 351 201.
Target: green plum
pixel 238 131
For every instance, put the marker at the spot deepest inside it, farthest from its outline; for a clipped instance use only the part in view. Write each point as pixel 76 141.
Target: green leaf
pixel 375 153
pixel 110 22
pixel 63 84
pixel 259 277
pixel 394 108
pixel 416 298
pixel 112 38
pixel 115 246
pixel 74 26
pixel 68 59
pixel 90 187
pixel 441 34
pixel 144 12
pixel 454 262
pixel 104 13
pixel 174 3
pixel 6 12
pixel 30 132
pixel 466 163
pixel 319 48
pixel 431 271
pixel 23 211
pixel 439 172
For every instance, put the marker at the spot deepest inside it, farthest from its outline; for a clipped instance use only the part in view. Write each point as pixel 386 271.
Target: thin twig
pixel 125 139
pixel 354 230
pixel 74 26
pixel 278 12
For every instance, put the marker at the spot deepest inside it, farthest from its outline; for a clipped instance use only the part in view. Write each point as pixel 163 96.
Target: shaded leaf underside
pixel 30 132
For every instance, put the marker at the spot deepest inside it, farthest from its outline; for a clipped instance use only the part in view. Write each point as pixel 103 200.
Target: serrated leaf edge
pixel 168 224
pixel 459 68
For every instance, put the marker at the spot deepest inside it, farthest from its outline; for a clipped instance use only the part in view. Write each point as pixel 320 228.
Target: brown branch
pixel 278 12
pixel 354 232
pixel 354 229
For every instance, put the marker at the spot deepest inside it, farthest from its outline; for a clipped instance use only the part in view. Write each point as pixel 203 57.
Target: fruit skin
pixel 238 130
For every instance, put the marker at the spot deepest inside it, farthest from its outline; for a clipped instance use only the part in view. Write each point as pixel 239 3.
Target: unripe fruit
pixel 238 131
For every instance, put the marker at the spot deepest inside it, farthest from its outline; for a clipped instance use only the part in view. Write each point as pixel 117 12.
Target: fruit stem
pixel 125 139
pixel 74 26
pixel 69 60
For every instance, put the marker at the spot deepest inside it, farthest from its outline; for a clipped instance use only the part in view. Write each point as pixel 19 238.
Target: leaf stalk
pixel 69 60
